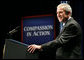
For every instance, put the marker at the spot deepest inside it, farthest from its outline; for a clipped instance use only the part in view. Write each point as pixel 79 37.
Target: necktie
pixel 61 26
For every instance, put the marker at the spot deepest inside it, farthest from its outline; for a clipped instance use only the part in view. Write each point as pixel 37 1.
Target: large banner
pixel 37 29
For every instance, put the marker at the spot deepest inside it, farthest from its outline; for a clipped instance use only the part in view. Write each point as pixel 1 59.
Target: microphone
pixel 14 30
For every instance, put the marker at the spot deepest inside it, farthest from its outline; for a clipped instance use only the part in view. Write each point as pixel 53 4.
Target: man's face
pixel 61 15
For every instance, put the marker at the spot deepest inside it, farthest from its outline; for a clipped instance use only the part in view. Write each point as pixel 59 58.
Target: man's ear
pixel 67 13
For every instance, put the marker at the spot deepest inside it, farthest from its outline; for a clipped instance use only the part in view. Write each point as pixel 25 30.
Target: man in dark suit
pixel 67 45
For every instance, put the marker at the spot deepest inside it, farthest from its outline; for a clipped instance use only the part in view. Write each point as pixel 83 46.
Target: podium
pixel 16 50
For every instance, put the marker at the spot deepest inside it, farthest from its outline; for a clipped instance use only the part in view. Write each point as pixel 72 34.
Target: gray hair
pixel 66 7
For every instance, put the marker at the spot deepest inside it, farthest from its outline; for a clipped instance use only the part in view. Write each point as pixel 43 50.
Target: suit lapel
pixel 66 24
pixel 64 27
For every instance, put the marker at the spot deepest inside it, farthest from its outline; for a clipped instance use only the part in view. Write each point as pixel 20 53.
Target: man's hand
pixel 32 48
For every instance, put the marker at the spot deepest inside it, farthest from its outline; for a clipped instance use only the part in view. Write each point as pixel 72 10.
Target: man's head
pixel 63 12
